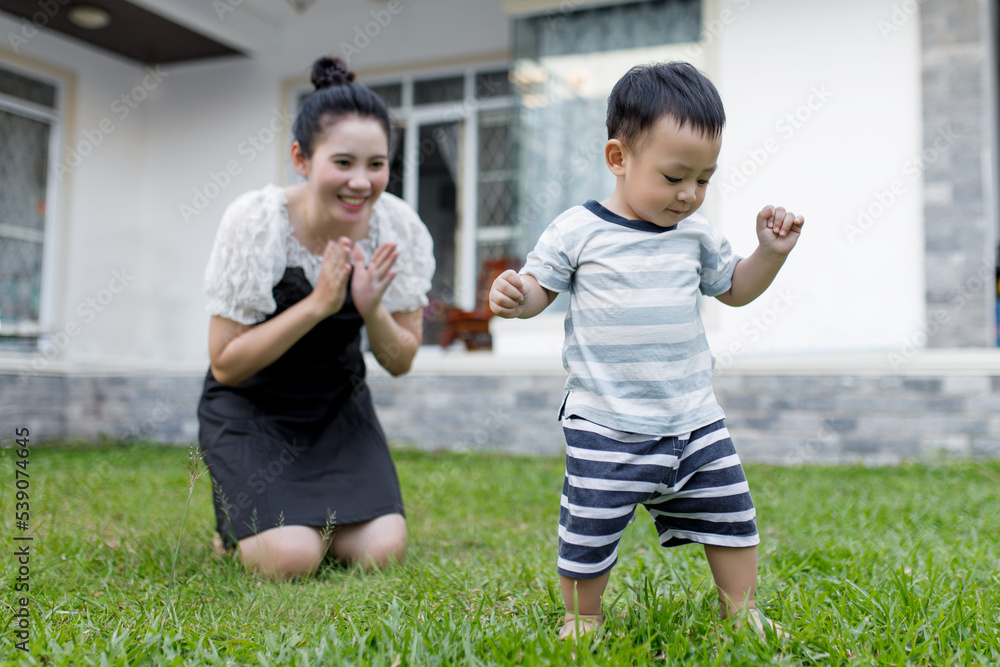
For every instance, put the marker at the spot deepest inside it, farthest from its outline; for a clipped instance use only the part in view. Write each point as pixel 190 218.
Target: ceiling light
pixel 89 17
pixel 301 5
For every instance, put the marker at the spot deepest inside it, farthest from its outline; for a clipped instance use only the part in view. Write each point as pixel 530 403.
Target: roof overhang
pixel 155 31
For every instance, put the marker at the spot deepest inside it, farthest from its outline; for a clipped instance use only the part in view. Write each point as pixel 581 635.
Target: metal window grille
pixel 22 87
pixel 492 84
pixel 496 169
pixel 391 94
pixel 24 164
pixel 434 91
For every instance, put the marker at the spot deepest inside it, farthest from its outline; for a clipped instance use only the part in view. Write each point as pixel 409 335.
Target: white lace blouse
pixel 255 244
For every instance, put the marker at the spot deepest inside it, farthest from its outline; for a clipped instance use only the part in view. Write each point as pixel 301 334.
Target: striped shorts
pixel 693 486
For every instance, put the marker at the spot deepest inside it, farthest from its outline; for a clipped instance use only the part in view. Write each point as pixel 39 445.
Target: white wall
pixel 100 200
pixel 124 200
pixel 848 285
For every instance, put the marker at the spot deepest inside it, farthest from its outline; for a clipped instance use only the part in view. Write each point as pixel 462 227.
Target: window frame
pixel 56 118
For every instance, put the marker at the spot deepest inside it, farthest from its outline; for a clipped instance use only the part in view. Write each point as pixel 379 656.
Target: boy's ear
pixel 614 156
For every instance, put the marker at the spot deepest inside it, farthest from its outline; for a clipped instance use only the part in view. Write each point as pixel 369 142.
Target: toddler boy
pixel 641 421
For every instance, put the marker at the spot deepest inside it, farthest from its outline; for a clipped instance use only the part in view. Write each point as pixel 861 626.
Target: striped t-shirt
pixel 635 346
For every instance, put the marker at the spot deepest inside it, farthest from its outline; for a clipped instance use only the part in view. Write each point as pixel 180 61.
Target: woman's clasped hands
pixel 369 284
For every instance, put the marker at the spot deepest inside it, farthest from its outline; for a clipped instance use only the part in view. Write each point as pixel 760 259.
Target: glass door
pixel 439 206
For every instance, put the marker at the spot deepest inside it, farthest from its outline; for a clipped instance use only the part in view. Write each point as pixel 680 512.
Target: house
pixel 126 127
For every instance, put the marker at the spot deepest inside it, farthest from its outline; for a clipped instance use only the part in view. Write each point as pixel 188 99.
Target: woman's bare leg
pixel 372 544
pixel 285 552
pixel 289 552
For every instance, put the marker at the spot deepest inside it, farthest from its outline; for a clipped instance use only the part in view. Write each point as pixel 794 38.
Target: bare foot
pixel 220 548
pixel 762 625
pixel 575 626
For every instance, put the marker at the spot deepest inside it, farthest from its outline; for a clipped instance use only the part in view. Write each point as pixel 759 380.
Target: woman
pixel 299 463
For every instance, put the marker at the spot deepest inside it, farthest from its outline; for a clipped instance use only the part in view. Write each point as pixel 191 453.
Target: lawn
pixel 867 566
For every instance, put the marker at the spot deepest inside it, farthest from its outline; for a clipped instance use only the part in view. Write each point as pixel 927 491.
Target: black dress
pixel 298 443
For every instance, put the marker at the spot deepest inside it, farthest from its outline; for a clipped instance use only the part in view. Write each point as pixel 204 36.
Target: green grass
pixel 897 565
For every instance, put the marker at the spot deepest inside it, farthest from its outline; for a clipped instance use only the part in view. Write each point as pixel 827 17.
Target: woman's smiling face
pixel 349 168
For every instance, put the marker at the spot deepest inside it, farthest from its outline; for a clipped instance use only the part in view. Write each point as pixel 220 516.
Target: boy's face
pixel 664 178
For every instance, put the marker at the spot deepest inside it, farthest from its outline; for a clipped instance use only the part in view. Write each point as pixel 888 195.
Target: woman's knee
pixel 390 547
pixel 374 544
pixel 288 552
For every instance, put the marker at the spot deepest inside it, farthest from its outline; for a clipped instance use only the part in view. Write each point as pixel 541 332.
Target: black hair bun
pixel 328 72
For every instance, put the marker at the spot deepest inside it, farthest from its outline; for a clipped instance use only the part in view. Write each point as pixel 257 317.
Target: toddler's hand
pixel 508 294
pixel 778 230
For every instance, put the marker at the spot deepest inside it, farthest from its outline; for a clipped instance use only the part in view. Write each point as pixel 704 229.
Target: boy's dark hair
pixel 336 95
pixel 648 92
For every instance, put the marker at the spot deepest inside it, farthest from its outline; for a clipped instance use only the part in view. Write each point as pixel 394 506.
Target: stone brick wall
pixel 960 225
pixel 871 419
pixel 159 408
pixel 509 413
pixel 785 419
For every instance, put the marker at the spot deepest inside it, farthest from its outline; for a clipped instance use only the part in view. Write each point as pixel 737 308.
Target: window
pixel 496 183
pixel 28 124
pixel 565 64
pixel 435 91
